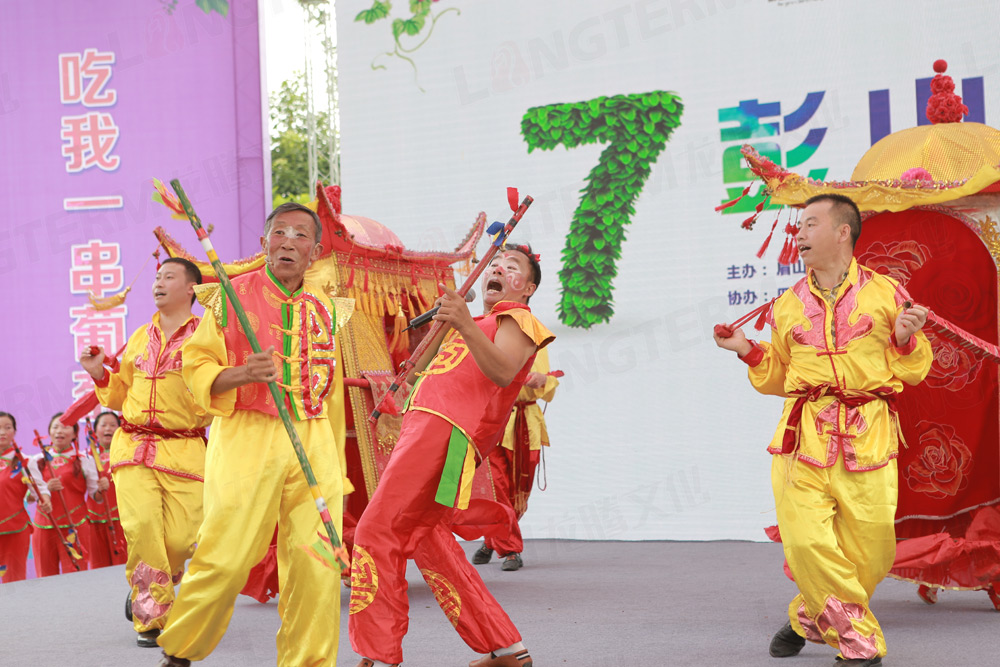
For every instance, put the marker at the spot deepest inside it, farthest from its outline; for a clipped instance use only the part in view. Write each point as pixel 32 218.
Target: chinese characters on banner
pixel 749 129
pixel 97 270
pixel 747 279
pixel 88 138
pixel 762 125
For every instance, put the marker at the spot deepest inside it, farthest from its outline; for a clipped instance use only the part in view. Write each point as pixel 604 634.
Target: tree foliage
pixel 289 112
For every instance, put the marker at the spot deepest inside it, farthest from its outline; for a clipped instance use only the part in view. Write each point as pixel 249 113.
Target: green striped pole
pixel 279 402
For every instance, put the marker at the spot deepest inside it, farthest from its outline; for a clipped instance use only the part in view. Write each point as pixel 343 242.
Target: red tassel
pixel 764 312
pixel 736 201
pixel 387 406
pixel 795 253
pixel 786 252
pixel 763 247
pixel 367 266
pixel 767 241
pixel 762 320
pixel 748 223
pixel 790 253
pixel 513 199
pixel 350 280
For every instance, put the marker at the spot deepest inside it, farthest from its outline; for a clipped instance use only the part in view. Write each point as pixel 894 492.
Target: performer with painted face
pixel 15 524
pixel 157 457
pixel 844 340
pixel 252 477
pixel 510 475
pixel 454 417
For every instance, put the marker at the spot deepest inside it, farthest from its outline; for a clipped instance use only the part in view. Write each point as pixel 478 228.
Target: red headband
pixel 527 251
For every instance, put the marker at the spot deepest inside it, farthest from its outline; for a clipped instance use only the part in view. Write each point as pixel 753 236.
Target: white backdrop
pixel 656 433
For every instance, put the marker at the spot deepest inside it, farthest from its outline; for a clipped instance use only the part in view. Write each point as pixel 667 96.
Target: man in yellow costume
pixel 844 339
pixel 252 476
pixel 158 454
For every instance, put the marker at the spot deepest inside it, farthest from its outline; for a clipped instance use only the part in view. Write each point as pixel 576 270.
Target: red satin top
pixel 13 517
pixel 453 387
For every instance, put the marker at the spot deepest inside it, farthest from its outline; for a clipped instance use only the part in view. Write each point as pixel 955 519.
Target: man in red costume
pixel 511 471
pixel 455 415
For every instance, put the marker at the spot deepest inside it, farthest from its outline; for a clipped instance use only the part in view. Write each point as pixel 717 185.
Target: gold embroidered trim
pixel 364 580
pixel 209 296
pixel 344 308
pixel 445 594
pixel 290 332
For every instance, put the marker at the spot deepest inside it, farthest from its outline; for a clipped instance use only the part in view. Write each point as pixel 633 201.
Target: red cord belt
pixel 165 433
pixel 851 398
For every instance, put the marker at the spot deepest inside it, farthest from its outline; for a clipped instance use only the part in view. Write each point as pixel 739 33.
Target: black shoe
pixel 147 639
pixel 512 563
pixel 786 642
pixel 128 606
pixel 171 661
pixel 482 556
pixel 857 662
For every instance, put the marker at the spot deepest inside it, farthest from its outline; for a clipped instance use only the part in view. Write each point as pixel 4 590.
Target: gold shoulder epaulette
pixel 210 297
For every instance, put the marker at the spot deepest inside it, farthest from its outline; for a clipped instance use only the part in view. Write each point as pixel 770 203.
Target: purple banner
pixel 96 99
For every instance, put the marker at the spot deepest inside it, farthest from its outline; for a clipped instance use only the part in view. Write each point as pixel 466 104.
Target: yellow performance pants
pixel 160 515
pixel 839 539
pixel 252 480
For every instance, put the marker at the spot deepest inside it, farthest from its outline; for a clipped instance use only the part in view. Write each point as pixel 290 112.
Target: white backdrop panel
pixel 656 433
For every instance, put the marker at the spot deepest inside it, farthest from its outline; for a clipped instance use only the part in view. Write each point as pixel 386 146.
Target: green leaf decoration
pixel 379 10
pixel 414 25
pixel 209 6
pixel 420 7
pixel 410 26
pixel 636 129
pixel 397 28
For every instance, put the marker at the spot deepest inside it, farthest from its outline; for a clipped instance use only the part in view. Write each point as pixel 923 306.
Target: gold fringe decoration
pixel 109 302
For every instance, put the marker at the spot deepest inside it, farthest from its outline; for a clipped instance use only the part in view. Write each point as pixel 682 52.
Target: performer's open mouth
pixel 494 285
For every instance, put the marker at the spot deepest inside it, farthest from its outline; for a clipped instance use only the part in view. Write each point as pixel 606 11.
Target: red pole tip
pixel 940 66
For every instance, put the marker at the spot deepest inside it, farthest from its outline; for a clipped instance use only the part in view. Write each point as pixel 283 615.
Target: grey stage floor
pixel 585 604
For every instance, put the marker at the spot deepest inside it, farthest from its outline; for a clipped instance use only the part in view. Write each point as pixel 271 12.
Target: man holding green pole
pixel 252 476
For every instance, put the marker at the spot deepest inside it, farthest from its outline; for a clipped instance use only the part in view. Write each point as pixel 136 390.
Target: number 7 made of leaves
pixel 636 129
